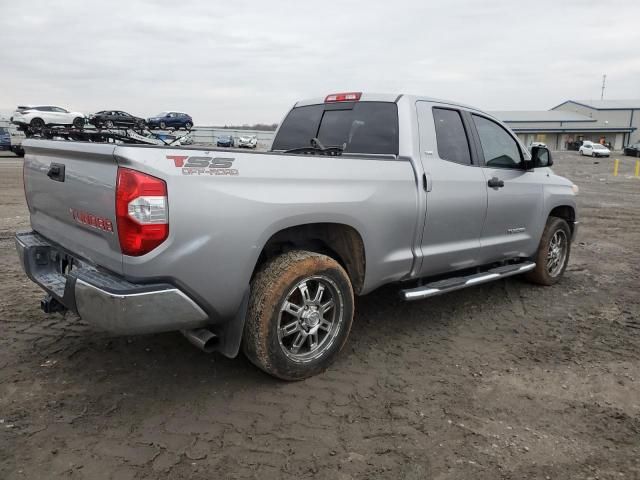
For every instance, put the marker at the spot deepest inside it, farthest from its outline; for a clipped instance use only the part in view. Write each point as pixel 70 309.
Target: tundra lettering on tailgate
pixel 91 220
pixel 197 165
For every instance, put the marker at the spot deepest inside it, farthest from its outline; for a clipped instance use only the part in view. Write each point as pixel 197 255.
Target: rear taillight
pixel 142 212
pixel 343 97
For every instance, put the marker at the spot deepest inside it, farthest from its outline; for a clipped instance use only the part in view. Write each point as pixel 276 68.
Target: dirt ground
pixel 504 380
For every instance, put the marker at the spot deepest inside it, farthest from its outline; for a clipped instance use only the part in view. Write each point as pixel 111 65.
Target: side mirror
pixel 540 157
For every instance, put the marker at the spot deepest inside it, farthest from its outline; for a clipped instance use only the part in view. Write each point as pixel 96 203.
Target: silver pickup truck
pixel 265 250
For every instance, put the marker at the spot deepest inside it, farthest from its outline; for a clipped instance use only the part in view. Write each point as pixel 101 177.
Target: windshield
pixel 356 127
pixel 162 114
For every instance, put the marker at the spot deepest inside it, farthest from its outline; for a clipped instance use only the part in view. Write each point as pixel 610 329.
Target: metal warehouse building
pixel 614 121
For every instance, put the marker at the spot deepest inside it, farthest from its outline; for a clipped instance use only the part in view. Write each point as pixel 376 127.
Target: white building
pixel 612 121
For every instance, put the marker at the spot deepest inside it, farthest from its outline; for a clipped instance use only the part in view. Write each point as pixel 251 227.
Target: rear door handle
pixel 426 182
pixel 56 172
pixel 495 182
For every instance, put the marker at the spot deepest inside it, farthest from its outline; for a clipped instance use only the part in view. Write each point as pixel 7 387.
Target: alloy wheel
pixel 557 253
pixel 310 318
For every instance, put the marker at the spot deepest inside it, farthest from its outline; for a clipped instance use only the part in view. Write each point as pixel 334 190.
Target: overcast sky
pixel 245 62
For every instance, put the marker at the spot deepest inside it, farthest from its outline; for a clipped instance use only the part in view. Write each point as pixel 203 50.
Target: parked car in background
pixel 116 118
pixel 170 120
pixel 38 117
pixel 5 139
pixel 594 150
pixel 17 136
pixel 225 141
pixel 174 139
pixel 247 141
pixel 633 150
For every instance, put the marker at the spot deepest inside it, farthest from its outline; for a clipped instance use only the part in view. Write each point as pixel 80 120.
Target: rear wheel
pixel 36 124
pixel 108 124
pixel 300 314
pixel 163 125
pixel 553 252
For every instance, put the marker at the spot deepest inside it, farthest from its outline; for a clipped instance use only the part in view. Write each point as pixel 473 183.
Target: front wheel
pixel 300 314
pixel 188 125
pixel 553 252
pixel 78 122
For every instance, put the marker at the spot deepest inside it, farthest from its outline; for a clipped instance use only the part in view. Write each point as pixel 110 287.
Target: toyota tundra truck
pixel 264 251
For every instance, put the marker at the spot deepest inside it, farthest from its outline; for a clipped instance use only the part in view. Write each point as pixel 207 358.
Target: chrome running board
pixel 456 283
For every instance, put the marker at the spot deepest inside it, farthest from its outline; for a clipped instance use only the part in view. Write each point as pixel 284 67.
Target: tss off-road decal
pixel 204 165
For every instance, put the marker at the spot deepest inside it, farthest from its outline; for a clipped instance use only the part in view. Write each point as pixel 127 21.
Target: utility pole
pixel 604 79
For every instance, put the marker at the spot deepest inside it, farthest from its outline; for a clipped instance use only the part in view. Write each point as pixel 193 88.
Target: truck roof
pixel 387 97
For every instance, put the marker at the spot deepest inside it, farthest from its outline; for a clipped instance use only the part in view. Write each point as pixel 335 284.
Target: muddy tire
pixel 300 314
pixel 553 253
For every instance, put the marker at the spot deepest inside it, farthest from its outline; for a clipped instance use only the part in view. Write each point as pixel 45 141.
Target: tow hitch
pixel 50 305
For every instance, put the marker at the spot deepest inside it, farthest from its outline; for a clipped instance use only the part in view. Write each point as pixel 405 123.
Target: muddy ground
pixel 505 380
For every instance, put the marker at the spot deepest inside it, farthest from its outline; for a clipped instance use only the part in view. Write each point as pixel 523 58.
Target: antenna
pixel 604 79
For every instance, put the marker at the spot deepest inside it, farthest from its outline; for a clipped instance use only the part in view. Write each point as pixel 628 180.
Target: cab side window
pixel 499 148
pixel 451 136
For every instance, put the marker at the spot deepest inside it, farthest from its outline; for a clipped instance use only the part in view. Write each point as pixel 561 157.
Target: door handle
pixel 56 172
pixel 495 182
pixel 426 182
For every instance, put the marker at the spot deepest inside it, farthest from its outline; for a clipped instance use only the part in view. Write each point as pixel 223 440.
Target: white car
pixel 38 117
pixel 594 150
pixel 247 141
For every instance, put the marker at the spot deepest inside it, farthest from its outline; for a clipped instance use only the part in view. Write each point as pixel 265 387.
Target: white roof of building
pixel 535 116
pixel 606 104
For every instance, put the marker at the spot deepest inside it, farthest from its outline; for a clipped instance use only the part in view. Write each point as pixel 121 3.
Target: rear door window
pixel 356 127
pixel 451 137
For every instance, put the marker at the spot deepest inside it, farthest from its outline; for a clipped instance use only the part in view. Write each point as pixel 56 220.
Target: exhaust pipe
pixel 202 338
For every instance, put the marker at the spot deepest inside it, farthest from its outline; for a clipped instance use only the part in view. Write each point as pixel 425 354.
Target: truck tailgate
pixel 70 189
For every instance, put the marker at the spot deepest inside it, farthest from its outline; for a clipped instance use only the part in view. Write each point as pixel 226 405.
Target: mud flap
pixel 231 332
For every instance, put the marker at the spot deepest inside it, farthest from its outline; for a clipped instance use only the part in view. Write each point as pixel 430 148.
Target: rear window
pixel 451 136
pixel 356 127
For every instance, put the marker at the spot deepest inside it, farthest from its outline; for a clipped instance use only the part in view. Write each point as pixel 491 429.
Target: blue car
pixel 175 120
pixel 5 139
pixel 225 141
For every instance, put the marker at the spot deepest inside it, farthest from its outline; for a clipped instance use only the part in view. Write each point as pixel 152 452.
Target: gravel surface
pixel 504 380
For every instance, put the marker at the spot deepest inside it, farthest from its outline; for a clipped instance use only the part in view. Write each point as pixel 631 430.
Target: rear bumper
pixel 105 300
